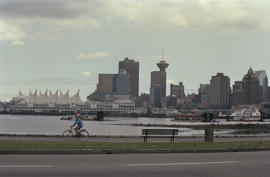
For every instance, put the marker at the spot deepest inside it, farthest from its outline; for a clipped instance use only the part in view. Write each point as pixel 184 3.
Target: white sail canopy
pixel 56 98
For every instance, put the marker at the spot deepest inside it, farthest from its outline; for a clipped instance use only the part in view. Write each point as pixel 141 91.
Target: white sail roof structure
pixel 45 98
pixel 75 99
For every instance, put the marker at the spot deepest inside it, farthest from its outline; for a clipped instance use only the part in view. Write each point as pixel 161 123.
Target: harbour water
pixel 27 124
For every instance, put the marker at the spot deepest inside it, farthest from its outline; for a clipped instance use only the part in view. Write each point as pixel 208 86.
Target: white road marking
pixel 188 163
pixel 26 166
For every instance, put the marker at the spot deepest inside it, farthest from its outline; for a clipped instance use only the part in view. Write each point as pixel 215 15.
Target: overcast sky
pixel 65 44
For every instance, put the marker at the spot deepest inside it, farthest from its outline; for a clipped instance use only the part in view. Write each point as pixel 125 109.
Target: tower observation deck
pixel 162 65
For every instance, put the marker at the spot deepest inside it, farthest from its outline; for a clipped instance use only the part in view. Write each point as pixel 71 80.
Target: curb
pixel 123 136
pixel 139 151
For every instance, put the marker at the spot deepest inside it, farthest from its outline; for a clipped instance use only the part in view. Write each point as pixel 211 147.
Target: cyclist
pixel 78 122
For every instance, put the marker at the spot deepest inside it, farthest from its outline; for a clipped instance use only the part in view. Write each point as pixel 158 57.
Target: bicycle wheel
pixel 84 133
pixel 67 133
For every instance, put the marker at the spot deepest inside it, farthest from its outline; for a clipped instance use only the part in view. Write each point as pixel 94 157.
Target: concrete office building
pixel 251 85
pixel 156 99
pixel 159 78
pixel 177 95
pixel 204 95
pixel 247 91
pixel 178 90
pixel 263 83
pixel 219 92
pixel 105 83
pixel 104 86
pixel 121 83
pixel 132 68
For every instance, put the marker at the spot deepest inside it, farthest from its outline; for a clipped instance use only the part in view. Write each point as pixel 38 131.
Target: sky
pixel 65 44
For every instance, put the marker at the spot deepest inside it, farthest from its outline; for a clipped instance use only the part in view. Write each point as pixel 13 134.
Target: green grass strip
pixel 127 145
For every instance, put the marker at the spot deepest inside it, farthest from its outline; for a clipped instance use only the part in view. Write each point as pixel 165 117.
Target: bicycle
pixel 71 132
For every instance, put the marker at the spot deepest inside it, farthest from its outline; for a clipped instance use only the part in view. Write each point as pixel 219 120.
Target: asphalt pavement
pixel 132 139
pixel 232 164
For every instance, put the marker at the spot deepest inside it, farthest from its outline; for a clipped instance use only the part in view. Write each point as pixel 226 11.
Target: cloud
pixel 87 74
pixel 152 15
pixel 10 32
pixel 170 81
pixel 94 55
pixel 48 81
pixel 146 14
pixel 60 9
pixel 17 43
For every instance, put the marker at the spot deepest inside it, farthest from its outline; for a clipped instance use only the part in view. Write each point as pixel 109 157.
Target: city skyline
pixel 40 91
pixel 67 46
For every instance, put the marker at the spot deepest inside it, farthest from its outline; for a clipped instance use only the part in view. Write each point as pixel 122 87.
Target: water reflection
pixel 26 124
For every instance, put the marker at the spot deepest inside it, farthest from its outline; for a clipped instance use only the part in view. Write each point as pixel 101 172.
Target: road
pixel 235 164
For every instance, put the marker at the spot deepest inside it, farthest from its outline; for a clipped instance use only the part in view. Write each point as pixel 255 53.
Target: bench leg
pixel 172 139
pixel 145 139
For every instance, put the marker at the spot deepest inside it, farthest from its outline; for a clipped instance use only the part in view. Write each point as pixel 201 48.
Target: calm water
pixel 25 124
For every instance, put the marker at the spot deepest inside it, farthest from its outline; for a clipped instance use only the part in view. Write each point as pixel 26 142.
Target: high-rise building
pixel 143 100
pixel 251 84
pixel 263 83
pixel 239 95
pixel 104 86
pixel 156 96
pixel 178 90
pixel 132 68
pixel 105 83
pixel 159 78
pixel 204 94
pixel 121 83
pixel 219 92
pixel 246 91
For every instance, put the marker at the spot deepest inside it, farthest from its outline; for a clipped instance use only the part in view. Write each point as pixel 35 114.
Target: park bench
pixel 160 133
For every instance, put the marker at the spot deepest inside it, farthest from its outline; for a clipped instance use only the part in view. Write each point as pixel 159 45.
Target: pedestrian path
pixel 129 139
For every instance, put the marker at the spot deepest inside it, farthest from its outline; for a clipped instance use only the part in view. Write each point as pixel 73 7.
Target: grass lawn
pixel 127 145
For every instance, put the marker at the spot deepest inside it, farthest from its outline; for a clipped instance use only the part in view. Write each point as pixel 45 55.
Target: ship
pixel 245 113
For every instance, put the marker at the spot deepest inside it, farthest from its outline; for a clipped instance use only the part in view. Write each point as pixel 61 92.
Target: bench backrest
pixel 160 131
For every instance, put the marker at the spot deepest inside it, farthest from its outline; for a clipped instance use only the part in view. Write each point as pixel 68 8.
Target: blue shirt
pixel 79 122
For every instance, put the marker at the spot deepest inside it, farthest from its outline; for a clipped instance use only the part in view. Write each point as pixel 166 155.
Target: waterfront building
pixel 239 95
pixel 64 104
pixel 178 90
pixel 159 77
pixel 172 102
pixel 156 99
pixel 246 91
pixel 111 87
pixel 203 93
pixel 263 83
pixel 251 85
pixel 49 99
pixel 132 68
pixel 159 81
pixel 143 100
pixel 219 91
pixel 177 95
pixel 237 86
pixel 104 86
pixel 105 83
pixel 121 83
